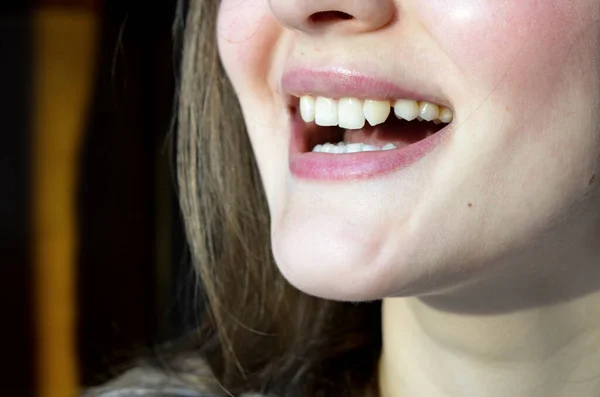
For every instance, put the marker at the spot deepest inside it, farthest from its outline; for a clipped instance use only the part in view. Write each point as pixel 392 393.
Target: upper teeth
pixel 352 113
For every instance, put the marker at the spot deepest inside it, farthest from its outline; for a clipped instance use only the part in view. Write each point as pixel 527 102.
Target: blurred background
pixel 94 268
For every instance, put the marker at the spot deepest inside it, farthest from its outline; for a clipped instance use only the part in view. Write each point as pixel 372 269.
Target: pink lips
pixel 305 164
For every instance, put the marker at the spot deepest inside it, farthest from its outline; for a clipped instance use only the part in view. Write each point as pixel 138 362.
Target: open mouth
pixel 351 125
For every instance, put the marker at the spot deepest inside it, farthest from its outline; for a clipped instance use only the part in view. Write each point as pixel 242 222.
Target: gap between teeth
pixel 343 147
pixel 353 113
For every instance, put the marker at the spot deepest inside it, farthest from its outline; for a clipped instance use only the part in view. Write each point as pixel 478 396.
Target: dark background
pixel 131 261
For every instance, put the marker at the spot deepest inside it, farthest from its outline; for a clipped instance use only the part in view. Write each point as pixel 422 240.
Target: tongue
pixel 399 132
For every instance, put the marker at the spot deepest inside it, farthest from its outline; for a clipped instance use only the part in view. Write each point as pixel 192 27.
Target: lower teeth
pixel 342 147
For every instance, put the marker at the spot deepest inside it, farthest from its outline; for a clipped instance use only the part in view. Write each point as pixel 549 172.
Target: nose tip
pixel 343 16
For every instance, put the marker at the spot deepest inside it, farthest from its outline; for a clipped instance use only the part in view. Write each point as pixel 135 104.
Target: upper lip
pixel 341 82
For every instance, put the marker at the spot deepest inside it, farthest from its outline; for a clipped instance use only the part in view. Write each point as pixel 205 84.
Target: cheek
pixel 513 46
pixel 246 36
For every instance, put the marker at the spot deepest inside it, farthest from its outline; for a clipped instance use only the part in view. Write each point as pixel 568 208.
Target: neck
pixel 525 336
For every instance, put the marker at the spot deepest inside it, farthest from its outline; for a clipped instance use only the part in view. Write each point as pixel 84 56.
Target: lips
pixel 342 82
pixel 346 154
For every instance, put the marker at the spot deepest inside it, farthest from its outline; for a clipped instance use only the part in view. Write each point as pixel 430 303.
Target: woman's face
pixel 503 177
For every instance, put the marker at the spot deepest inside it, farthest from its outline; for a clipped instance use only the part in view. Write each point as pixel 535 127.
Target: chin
pixel 324 256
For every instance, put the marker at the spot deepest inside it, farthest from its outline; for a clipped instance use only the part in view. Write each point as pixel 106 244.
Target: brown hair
pixel 259 333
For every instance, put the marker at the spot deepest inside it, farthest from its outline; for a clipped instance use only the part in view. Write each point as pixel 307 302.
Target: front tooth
pixel 350 112
pixel 326 112
pixel 388 146
pixel 354 147
pixel 307 108
pixel 317 149
pixel 327 148
pixel 429 111
pixel 376 112
pixel 369 148
pixel 338 149
pixel 446 115
pixel 406 109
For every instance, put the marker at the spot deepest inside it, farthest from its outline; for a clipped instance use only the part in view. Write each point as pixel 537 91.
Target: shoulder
pixel 153 382
pixel 146 382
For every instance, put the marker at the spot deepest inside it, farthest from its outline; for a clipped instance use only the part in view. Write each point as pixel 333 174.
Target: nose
pixel 342 16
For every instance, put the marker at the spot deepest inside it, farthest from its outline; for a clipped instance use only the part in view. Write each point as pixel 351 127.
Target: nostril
pixel 330 16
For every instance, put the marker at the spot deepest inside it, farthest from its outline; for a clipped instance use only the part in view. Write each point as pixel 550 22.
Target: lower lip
pixel 352 166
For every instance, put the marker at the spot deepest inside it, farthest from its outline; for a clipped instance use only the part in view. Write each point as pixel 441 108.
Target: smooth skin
pixel 486 251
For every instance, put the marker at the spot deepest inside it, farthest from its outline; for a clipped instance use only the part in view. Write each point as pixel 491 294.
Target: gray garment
pixel 145 382
pixel 149 382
